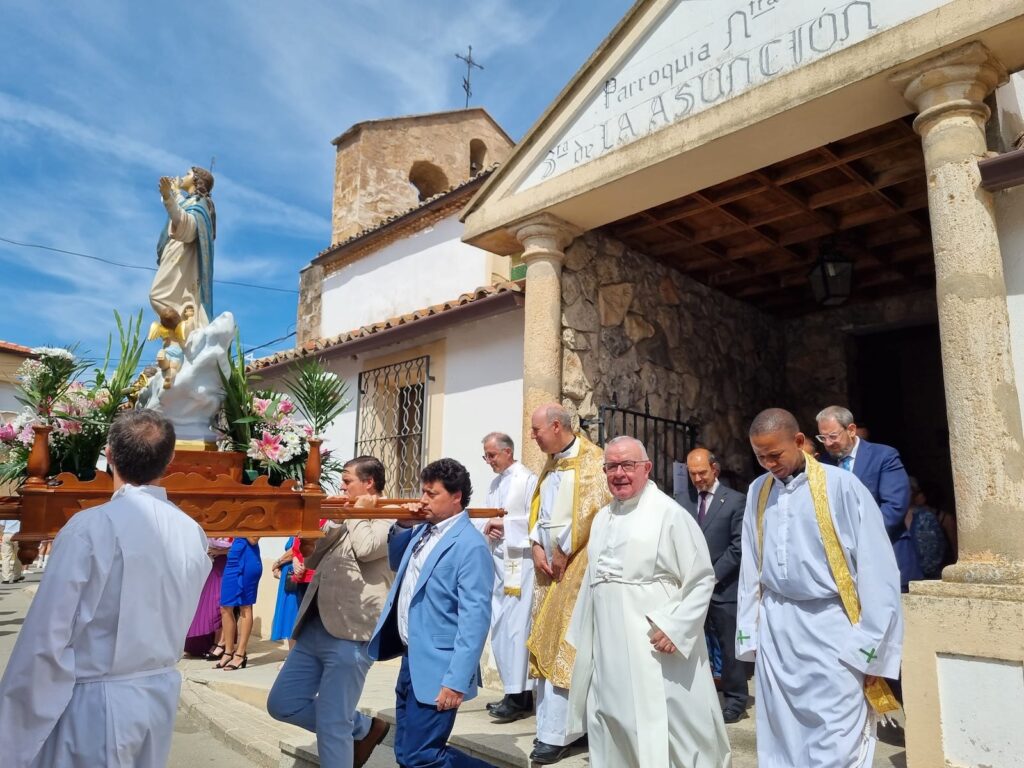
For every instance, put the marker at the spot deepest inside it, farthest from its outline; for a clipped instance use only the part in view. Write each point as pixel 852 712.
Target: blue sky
pixel 97 100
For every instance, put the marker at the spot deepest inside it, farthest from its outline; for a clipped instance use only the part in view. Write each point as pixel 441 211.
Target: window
pixel 477 156
pixel 391 422
pixel 428 179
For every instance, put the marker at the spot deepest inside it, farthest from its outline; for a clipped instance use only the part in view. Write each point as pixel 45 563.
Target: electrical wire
pixel 267 344
pixel 137 266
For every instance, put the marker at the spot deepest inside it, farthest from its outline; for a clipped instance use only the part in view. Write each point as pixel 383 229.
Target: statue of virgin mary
pixel 184 253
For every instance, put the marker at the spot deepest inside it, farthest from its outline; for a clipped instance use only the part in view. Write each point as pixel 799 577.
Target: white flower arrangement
pixel 60 352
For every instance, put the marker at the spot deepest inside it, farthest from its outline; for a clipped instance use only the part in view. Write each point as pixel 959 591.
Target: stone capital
pixel 544 236
pixel 955 82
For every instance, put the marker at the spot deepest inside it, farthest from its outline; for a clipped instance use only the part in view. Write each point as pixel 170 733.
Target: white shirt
pixel 412 572
pixel 711 494
pixel 852 455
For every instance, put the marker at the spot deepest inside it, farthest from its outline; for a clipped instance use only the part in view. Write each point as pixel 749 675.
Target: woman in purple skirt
pixel 203 639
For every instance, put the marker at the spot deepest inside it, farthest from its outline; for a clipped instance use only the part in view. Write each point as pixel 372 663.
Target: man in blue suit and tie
pixel 436 618
pixel 880 469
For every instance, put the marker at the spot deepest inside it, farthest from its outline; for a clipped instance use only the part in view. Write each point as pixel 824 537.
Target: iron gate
pixel 666 440
pixel 391 419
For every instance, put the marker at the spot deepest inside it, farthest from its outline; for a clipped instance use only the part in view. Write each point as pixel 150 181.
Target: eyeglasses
pixel 830 438
pixel 626 466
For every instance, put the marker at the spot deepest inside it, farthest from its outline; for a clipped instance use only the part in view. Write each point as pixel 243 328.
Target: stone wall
pixel 640 330
pixel 374 161
pixel 307 324
pixel 637 329
pixel 820 348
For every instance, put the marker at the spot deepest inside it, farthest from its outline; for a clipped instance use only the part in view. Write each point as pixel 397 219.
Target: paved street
pixel 232 708
pixel 194 745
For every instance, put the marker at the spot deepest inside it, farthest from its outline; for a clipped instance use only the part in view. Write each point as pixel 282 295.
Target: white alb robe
pixel 512 491
pixel 810 660
pixel 649 567
pixel 92 679
pixel 554 528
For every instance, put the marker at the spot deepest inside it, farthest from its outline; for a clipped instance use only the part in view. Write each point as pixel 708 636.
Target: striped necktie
pixel 422 540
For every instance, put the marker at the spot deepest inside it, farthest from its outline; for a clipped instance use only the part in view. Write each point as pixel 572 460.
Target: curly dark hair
pixel 452 475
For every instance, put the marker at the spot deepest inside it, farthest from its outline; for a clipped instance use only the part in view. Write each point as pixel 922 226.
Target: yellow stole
pixel 551 657
pixel 878 693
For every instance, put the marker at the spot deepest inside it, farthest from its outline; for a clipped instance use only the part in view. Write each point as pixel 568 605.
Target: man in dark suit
pixel 880 469
pixel 719 513
pixel 436 618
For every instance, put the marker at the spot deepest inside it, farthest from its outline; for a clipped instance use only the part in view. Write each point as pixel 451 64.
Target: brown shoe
pixel 363 748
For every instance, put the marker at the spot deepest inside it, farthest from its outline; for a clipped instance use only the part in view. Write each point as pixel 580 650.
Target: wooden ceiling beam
pixel 846 157
pixel 693 208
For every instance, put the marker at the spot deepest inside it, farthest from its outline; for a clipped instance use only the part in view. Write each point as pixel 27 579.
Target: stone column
pixel 544 239
pixel 985 436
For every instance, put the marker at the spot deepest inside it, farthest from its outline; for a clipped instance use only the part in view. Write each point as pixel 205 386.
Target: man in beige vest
pixel 321 681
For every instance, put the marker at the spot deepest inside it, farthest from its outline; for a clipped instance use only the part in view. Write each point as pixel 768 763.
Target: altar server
pixel 512 601
pixel 571 490
pixel 819 605
pixel 642 674
pixel 92 678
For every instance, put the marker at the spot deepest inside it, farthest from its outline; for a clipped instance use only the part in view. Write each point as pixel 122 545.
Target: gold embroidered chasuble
pixel 551 657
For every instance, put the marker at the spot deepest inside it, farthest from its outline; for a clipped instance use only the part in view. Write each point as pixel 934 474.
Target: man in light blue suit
pixel 436 618
pixel 880 468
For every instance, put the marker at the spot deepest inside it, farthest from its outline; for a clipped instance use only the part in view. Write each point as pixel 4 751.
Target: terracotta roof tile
pixel 7 346
pixel 313 346
pixel 402 214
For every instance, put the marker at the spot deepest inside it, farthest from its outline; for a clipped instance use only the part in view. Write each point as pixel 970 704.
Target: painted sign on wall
pixel 705 52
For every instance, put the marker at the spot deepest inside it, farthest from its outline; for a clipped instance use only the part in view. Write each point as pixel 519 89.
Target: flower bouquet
pixel 274 429
pixel 78 412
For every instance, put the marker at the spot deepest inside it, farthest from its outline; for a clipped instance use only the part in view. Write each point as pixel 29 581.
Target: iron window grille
pixel 391 422
pixel 666 440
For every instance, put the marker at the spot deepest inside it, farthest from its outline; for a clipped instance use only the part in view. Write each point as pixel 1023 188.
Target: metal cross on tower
pixel 469 72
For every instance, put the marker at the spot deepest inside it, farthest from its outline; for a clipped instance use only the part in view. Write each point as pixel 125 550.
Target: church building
pixel 749 203
pixel 427 331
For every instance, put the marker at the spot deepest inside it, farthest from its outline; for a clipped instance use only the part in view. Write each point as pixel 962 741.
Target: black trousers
pixel 721 622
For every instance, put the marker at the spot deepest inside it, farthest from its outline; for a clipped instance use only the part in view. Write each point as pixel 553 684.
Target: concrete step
pixel 233 704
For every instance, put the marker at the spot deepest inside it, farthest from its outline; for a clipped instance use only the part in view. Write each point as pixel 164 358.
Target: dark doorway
pixel 896 390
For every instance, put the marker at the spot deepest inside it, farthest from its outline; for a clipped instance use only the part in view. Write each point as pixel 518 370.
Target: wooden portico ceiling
pixel 756 237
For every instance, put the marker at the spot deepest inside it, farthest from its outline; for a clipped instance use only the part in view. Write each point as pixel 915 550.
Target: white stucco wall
pixel 8 402
pixel 426 268
pixel 483 391
pixel 481 377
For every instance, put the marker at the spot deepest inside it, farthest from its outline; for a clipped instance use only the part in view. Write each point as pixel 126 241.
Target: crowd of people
pixel 599 591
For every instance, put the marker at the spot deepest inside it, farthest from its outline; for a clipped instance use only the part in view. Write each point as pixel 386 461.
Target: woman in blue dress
pixel 287 607
pixel 238 590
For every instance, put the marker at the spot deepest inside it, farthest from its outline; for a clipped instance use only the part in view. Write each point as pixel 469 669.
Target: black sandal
pixel 233 667
pixel 225 659
pixel 211 656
